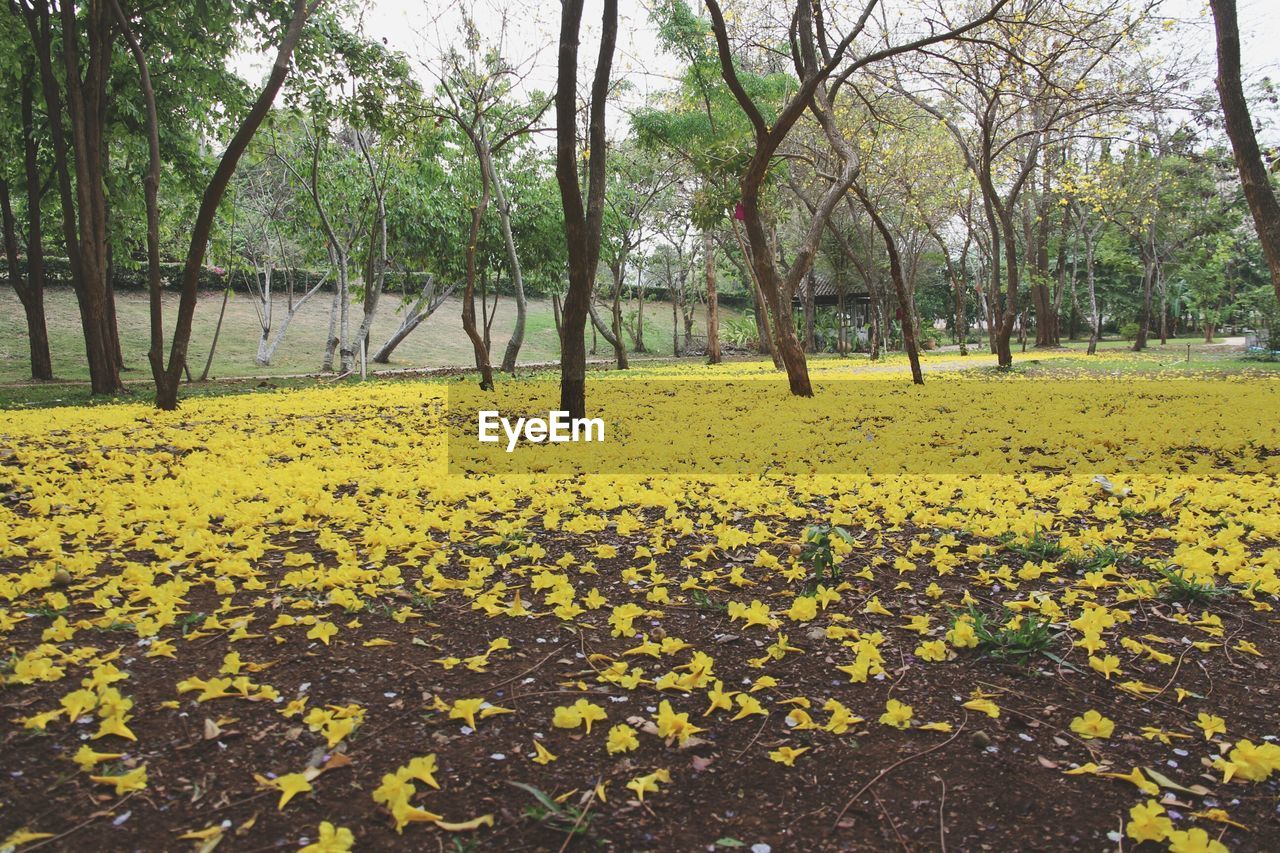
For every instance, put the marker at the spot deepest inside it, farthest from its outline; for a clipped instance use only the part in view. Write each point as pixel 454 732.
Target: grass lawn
pixel 439 342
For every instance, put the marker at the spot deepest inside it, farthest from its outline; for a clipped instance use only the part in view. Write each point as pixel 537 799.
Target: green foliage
pixel 740 332
pixel 573 821
pixel 1040 546
pixel 1097 557
pixel 1009 636
pixel 817 552
pixel 1182 588
pixel 702 123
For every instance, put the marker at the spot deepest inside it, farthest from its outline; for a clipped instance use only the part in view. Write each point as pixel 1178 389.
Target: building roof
pixel 826 290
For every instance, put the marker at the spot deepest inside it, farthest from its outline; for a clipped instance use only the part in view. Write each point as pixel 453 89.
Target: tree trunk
pixel 1095 319
pixel 425 305
pixel 167 393
pixel 675 312
pixel 469 292
pixel 151 190
pixel 30 289
pixel 83 200
pixel 375 273
pixel 516 341
pixel 582 223
pixel 1005 320
pixel 615 337
pixel 1235 110
pixel 265 356
pixel 1148 282
pixel 640 287
pixel 217 332
pixel 713 300
pixel 334 340
pixel 810 314
pixel 905 302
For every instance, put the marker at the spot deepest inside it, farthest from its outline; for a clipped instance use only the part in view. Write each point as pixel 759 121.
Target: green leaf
pixel 541 796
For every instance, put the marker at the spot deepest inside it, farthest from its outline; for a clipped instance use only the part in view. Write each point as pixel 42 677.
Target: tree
pixel 1005 100
pixel 582 222
pixel 21 133
pixel 1254 179
pixel 167 376
pixel 82 46
pixel 823 63
pixel 477 87
pixel 638 184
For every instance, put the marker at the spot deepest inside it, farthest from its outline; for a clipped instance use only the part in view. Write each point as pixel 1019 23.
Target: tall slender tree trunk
pixel 615 315
pixel 516 341
pixel 1148 283
pixel 217 332
pixel 167 392
pixel 33 305
pixel 582 222
pixel 905 302
pixel 480 351
pixel 1235 109
pixel 29 289
pixel 810 313
pixel 77 159
pixel 640 288
pixel 713 300
pixel 1095 319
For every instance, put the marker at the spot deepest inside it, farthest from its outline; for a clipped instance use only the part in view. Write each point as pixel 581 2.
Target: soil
pixel 990 784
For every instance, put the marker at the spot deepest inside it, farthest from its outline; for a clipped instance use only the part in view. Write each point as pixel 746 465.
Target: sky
pixel 529 30
pixel 418 28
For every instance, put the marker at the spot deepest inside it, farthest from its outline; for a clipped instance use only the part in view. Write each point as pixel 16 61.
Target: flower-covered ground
pixel 281 621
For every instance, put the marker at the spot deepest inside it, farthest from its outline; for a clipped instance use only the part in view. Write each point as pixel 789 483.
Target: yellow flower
pixel 1092 725
pixel 720 699
pixel 134 780
pixel 622 738
pixel 674 726
pixel 841 717
pixel 1194 840
pixel 648 784
pixel 985 706
pixel 579 713
pixel 543 755
pixel 896 714
pixel 333 839
pixel 747 706
pixel 422 768
pixel 932 650
pixel 787 755
pixel 1148 822
pixel 289 786
pixel 962 635
pixel 1211 725
pixel 1253 762
pixel 1107 666
pixel 322 631
pixel 1135 777
pixel 87 758
pixel 468 709
pixel 803 609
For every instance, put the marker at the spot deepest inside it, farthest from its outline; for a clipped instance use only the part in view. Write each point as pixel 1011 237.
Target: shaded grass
pixel 437 343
